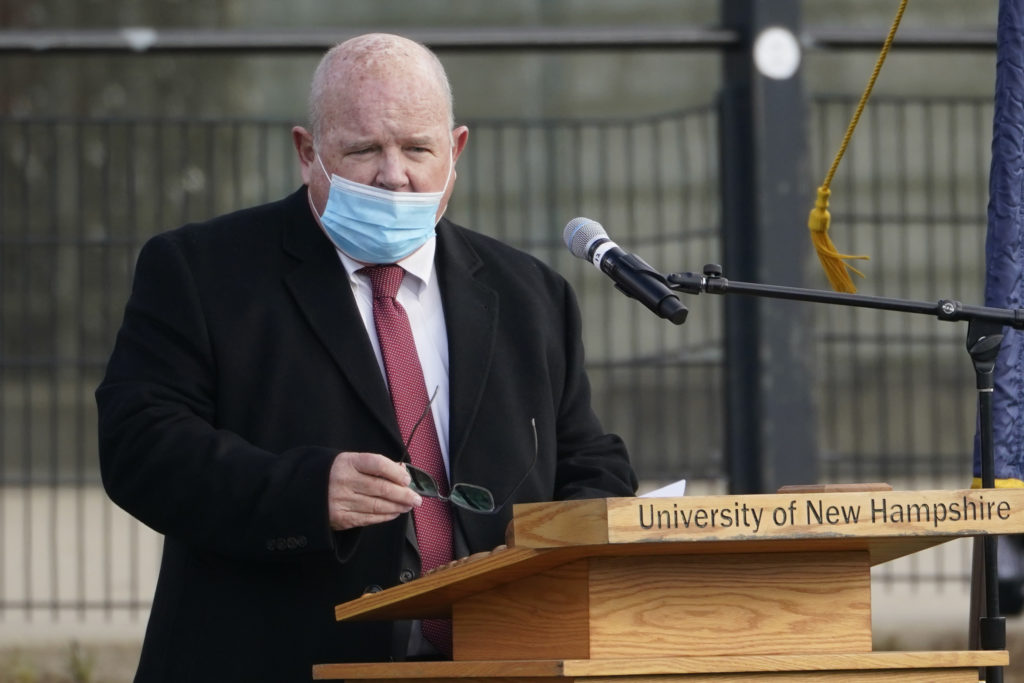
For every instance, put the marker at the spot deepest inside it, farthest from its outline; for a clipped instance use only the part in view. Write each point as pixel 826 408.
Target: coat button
pixel 373 588
pixel 407 575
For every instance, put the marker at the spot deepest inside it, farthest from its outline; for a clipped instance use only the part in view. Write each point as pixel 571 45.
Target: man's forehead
pixel 397 90
pixel 366 126
pixel 408 71
pixel 381 106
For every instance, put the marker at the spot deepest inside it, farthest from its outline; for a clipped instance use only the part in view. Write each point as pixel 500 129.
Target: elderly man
pixel 271 396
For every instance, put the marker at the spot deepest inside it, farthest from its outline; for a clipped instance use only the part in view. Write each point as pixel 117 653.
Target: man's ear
pixel 303 141
pixel 459 137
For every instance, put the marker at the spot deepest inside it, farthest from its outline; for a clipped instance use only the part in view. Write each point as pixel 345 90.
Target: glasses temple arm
pixel 533 424
pixel 406 457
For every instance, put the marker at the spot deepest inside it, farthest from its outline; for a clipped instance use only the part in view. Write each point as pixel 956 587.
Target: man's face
pixel 393 134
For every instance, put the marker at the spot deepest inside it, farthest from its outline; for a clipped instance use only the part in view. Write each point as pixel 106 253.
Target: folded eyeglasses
pixel 467 496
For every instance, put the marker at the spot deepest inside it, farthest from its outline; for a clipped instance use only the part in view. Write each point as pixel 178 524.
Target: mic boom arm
pixel 712 282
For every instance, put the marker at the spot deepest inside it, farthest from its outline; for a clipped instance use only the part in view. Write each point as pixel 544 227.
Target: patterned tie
pixel 409 398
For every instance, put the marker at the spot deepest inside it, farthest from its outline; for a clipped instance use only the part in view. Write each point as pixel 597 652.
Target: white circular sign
pixel 777 53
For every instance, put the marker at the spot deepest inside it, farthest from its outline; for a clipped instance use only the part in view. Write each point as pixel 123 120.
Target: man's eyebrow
pixel 424 140
pixel 358 144
pixel 419 140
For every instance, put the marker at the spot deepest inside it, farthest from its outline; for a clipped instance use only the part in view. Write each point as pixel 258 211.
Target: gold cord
pixel 833 261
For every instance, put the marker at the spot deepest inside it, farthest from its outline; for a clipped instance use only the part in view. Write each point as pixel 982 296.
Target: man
pixel 246 411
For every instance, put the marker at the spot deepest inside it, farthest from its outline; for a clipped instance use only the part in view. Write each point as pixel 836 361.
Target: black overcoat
pixel 242 368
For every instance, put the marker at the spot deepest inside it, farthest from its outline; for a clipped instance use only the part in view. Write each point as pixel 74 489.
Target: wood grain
pixel 546 535
pixel 879 667
pixel 737 604
pixel 564 523
pixel 544 616
pixel 875 513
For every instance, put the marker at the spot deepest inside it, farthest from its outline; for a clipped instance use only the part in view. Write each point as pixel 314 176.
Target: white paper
pixel 676 488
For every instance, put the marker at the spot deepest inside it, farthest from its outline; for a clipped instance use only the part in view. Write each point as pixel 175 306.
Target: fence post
pixel 770 420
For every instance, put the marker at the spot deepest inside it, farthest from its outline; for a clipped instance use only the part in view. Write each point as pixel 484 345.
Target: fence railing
pixel 78 198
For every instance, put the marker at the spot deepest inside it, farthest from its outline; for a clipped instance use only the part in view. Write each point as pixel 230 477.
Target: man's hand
pixel 367 488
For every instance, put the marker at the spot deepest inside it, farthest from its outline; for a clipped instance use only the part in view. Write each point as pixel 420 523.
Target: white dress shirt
pixel 420 296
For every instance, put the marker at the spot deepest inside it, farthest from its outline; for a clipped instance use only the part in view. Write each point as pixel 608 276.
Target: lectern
pixel 702 589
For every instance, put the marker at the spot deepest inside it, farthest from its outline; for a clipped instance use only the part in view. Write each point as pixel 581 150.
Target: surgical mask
pixel 374 225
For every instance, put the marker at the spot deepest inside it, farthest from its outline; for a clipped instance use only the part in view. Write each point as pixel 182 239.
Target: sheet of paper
pixel 676 488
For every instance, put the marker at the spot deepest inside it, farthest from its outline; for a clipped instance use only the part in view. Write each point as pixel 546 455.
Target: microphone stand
pixel 984 336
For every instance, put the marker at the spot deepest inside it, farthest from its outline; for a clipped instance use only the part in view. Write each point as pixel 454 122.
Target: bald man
pixel 247 410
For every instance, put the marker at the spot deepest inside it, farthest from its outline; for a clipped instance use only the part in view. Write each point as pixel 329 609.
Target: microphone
pixel 633 276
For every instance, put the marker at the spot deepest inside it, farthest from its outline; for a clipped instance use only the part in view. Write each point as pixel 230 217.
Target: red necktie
pixel 410 398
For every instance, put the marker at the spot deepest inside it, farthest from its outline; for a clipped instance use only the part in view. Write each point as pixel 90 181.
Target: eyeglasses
pixel 467 496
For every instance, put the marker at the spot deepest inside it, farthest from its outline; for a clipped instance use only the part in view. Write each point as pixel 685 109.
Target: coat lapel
pixel 471 317
pixel 322 292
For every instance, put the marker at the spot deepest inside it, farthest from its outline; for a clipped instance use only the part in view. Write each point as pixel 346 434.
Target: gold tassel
pixel 834 263
pixel 836 268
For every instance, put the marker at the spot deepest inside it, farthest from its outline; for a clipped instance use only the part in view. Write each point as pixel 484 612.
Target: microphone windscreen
pixel 580 233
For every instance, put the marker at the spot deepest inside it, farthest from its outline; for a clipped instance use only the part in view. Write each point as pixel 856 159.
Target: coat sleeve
pixel 163 458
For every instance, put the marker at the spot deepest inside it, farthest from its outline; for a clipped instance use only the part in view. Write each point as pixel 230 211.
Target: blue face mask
pixel 373 225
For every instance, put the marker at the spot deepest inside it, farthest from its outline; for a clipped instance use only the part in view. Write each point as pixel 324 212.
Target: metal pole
pixel 156 40
pixel 770 438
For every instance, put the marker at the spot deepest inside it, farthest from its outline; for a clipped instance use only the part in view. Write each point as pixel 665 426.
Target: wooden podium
pixel 711 589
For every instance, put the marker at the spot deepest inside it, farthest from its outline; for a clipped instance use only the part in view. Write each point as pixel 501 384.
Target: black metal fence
pixel 897 391
pixel 78 197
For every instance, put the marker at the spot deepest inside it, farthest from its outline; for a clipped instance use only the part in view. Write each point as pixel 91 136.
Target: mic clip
pixel 710 281
pixel 642 282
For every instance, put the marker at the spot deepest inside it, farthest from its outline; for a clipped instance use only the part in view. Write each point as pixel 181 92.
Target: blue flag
pixel 1004 246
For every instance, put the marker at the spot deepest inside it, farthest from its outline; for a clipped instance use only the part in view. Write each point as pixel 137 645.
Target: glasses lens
pixel 422 483
pixel 472 497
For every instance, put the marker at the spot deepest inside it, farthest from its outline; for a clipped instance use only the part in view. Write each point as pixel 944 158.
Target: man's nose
pixel 392 174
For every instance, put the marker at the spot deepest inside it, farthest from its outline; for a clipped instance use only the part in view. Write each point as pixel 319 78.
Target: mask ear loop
pixel 451 170
pixel 322 167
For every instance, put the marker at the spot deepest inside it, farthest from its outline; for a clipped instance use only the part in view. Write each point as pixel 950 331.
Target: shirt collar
pixel 419 264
